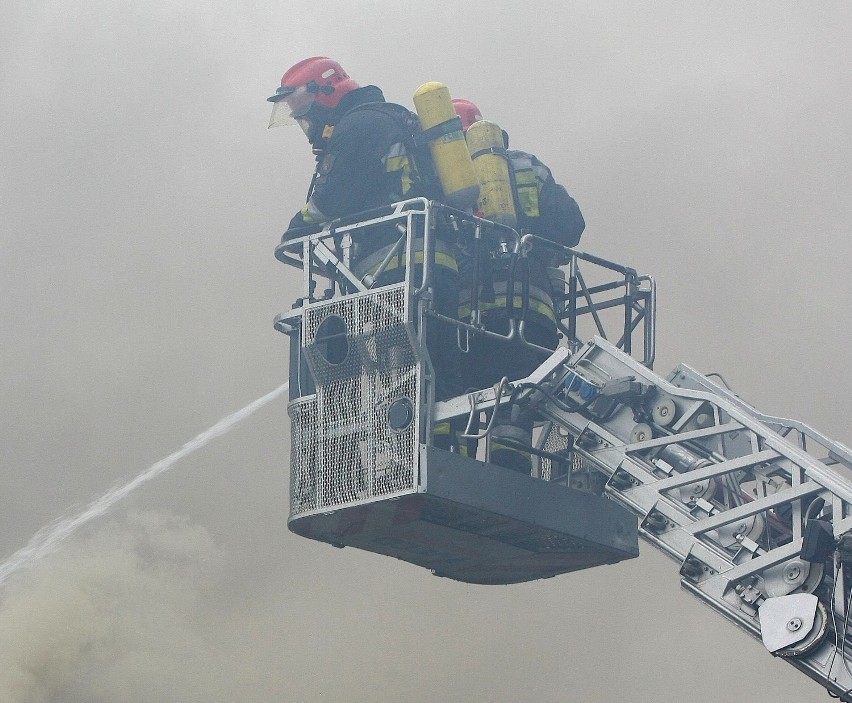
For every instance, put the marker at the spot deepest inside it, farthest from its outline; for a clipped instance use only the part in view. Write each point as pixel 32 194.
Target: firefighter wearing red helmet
pixel 468 112
pixel 358 138
pixel 543 208
pixel 363 163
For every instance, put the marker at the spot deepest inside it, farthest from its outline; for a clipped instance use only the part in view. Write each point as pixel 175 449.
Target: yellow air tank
pixel 485 142
pixel 442 129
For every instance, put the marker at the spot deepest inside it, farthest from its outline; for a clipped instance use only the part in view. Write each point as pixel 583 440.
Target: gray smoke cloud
pixel 118 614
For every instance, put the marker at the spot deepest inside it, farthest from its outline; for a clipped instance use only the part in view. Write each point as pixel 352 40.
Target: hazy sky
pixel 708 144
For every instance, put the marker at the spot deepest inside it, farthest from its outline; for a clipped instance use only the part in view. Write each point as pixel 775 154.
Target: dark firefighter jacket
pixel 545 207
pixel 546 210
pixel 363 166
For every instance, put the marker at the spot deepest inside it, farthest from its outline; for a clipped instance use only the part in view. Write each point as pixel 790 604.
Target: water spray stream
pixel 50 537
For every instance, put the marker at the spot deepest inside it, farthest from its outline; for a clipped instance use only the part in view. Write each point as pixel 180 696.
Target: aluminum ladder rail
pixel 722 489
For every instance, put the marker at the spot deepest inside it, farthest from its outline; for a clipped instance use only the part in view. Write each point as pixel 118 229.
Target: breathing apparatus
pixel 443 132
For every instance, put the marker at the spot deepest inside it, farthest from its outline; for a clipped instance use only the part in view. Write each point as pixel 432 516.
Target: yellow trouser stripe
pixel 396 262
pixel 500 302
pixel 497 447
pixel 441 259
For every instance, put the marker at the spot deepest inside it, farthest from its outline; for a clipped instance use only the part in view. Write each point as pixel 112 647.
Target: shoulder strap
pixel 416 145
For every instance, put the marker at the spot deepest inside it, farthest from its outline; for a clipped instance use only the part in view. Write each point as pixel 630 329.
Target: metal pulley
pixel 663 411
pixel 641 433
pixel 751 527
pixel 792 626
pixel 795 575
pixel 695 491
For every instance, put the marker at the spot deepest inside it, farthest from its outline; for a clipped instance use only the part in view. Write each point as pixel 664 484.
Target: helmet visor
pixel 288 107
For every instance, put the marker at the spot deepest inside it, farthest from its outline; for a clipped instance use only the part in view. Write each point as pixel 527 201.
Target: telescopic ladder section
pixel 756 509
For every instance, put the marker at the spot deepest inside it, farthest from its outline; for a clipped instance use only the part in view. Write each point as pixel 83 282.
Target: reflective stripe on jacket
pixel 545 207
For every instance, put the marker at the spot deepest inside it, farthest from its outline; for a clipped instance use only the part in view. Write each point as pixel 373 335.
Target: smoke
pixel 113 617
pixel 146 607
pixel 139 610
pixel 50 537
pixel 127 612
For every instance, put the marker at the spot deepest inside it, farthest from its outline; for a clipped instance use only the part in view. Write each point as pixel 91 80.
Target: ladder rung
pixel 753 508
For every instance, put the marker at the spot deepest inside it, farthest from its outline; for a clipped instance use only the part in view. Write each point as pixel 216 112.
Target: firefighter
pixel 359 140
pixel 358 166
pixel 543 208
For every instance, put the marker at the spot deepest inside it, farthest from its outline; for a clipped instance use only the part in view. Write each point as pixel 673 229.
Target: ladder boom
pixel 734 495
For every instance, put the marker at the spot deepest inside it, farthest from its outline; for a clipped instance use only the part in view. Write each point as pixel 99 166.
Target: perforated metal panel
pixel 554 441
pixel 303 423
pixel 356 438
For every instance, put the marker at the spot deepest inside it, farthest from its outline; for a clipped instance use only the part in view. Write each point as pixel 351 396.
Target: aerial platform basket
pixel 365 471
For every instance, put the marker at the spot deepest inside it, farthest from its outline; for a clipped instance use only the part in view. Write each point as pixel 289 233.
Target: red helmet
pixel 317 80
pixel 467 111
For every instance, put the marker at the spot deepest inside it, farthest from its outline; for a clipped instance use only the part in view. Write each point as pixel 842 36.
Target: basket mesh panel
pixel 303 423
pixel 555 442
pixel 343 448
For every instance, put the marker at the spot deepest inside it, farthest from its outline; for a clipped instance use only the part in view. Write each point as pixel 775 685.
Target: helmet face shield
pixel 321 82
pixel 289 105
